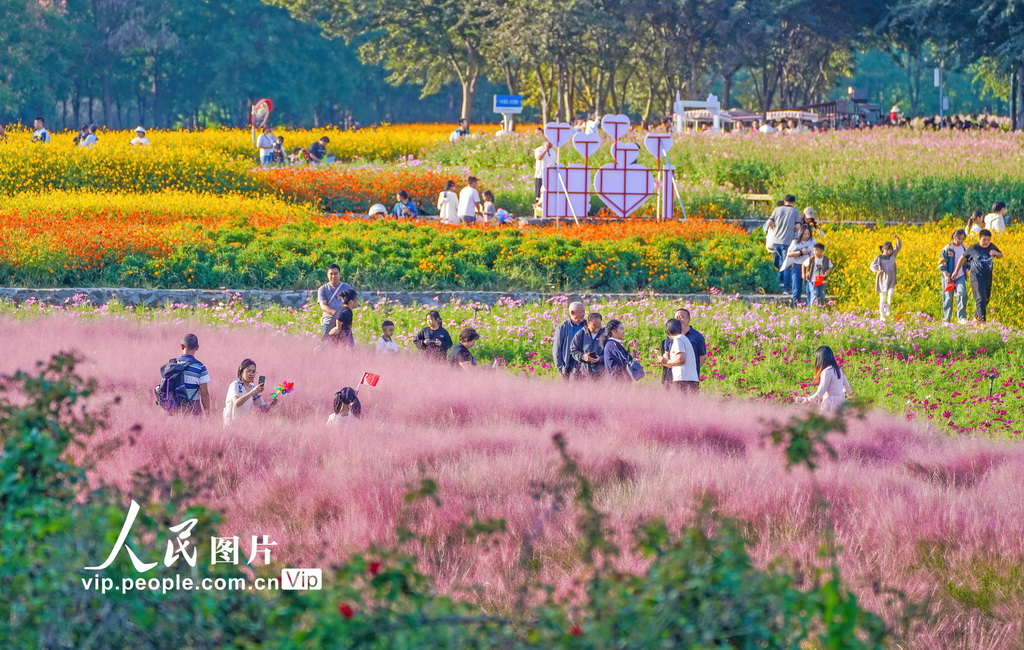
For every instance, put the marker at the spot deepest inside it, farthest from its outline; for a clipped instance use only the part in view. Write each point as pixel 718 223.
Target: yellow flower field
pixel 919 282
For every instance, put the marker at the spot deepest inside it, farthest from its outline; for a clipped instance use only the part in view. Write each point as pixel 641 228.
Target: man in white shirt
pixel 767 128
pixel 996 220
pixel 461 132
pixel 265 143
pixel 469 201
pixel 544 156
pixel 680 358
pixel 140 139
pixel 40 134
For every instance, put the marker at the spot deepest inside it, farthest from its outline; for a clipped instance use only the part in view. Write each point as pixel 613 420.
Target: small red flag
pixel 370 379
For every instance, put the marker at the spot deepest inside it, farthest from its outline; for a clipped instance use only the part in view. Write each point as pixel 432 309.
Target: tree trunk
pixel 106 101
pixel 1019 93
pixel 727 91
pixel 468 83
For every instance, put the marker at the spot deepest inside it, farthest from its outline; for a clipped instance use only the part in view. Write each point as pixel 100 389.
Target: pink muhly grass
pixel 897 493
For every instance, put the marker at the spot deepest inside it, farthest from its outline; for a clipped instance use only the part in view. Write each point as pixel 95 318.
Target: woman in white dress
pixel 243 395
pixel 832 384
pixel 448 204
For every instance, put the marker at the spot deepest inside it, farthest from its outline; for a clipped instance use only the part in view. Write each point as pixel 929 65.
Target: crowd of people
pixel 803 268
pixel 585 347
pixel 467 206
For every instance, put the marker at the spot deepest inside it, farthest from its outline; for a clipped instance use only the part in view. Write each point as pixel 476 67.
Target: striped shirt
pixel 194 375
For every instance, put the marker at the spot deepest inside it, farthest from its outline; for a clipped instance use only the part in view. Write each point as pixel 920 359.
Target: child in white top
pixel 386 343
pixel 346 406
pixel 832 384
pixel 489 209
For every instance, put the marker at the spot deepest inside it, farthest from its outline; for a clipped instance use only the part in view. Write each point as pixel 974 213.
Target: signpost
pixel 508 105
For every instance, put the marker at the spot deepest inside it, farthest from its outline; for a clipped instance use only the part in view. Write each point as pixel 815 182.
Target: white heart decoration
pixel 558 133
pixel 625 153
pixel 615 125
pixel 586 143
pixel 570 194
pixel 624 189
pixel 658 143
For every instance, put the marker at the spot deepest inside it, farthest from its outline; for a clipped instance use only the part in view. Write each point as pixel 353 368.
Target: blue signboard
pixel 508 103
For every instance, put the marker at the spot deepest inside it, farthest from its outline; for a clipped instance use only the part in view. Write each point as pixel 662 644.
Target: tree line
pixel 344 61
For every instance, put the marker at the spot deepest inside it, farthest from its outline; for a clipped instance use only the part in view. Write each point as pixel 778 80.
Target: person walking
pixel 884 268
pixel 434 340
pixel 195 378
pixel 799 251
pixel 562 339
pixel 586 350
pixel 781 230
pixel 815 272
pixel 340 327
pixel 469 201
pixel 954 283
pixel 328 297
pixel 981 257
pixel 995 221
pixel 448 204
pixel 245 395
pixel 833 387
pixel 618 355
pixel 975 223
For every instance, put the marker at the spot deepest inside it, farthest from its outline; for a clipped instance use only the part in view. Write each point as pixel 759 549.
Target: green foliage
pixel 52 525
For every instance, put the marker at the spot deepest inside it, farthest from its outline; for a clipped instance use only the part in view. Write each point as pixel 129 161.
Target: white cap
pixel 139 129
pixel 377 208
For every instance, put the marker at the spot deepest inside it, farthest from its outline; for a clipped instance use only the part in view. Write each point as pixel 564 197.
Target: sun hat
pixel 377 208
pixel 139 129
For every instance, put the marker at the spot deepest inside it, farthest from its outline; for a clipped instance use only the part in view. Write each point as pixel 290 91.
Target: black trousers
pixel 537 184
pixel 981 287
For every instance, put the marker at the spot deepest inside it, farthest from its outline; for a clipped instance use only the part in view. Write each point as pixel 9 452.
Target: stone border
pixel 299 299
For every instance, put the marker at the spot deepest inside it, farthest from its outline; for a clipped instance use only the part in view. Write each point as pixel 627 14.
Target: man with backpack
pixel 184 388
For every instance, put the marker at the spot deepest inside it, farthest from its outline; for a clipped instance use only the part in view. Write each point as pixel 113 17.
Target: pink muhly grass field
pixel 913 509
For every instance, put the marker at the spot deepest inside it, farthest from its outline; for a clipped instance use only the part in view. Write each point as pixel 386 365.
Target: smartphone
pixel 262 381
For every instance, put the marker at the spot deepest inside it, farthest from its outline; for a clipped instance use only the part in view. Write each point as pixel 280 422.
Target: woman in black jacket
pixel 434 339
pixel 616 357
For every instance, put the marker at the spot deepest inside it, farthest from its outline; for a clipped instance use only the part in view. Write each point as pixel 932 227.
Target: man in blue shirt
pixel 405 207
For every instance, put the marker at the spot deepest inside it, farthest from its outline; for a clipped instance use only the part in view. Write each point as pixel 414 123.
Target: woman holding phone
pixel 244 395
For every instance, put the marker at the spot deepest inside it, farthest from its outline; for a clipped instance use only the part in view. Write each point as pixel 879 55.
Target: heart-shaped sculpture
pixel 658 143
pixel 586 143
pixel 566 191
pixel 558 133
pixel 625 153
pixel 624 189
pixel 615 125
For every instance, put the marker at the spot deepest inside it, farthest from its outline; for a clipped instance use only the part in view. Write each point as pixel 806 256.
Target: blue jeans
pixel 815 294
pixel 778 257
pixel 796 285
pixel 959 292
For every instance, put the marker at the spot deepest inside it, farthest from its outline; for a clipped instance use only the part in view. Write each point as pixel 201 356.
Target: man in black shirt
pixel 460 354
pixel 318 150
pixel 700 346
pixel 981 258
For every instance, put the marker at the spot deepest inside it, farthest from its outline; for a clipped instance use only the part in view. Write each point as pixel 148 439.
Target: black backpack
pixel 171 392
